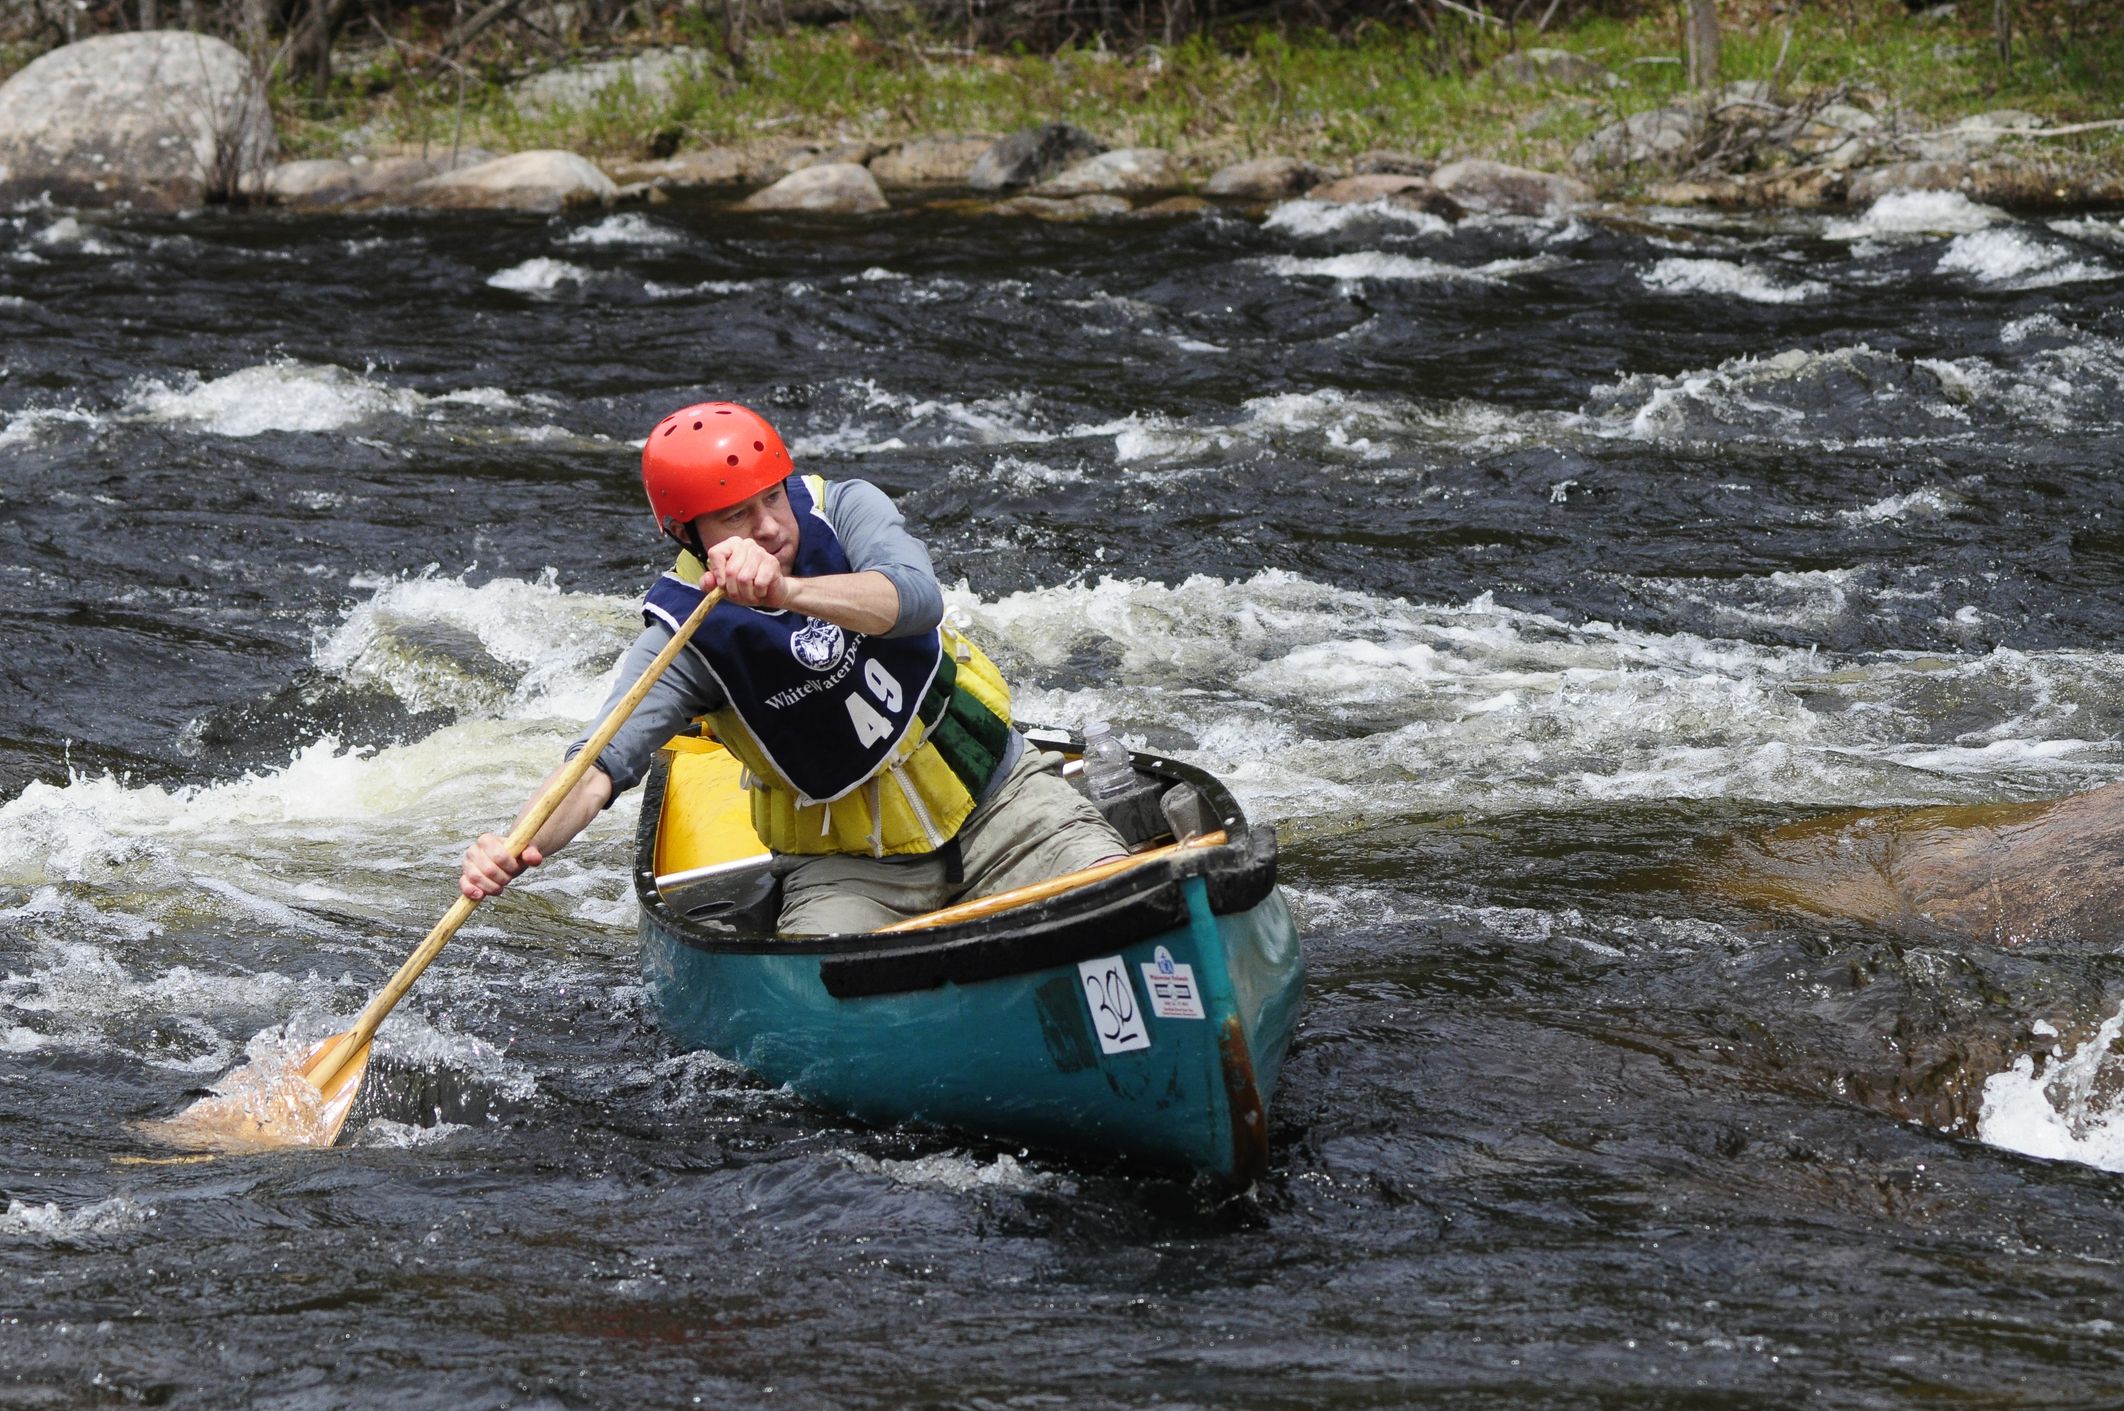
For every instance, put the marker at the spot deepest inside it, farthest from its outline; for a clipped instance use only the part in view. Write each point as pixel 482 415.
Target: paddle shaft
pixel 1026 895
pixel 534 818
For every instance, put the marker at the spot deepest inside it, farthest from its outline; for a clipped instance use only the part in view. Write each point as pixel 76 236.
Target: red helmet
pixel 708 457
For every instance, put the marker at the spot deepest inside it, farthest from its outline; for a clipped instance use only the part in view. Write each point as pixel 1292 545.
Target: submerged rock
pixel 930 161
pixel 1074 208
pixel 2001 872
pixel 1031 155
pixel 162 119
pixel 544 180
pixel 1131 171
pixel 1267 179
pixel 832 188
pixel 1493 188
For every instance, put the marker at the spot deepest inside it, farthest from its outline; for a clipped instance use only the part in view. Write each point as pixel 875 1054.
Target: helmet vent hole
pixel 733 460
pixel 759 445
pixel 696 426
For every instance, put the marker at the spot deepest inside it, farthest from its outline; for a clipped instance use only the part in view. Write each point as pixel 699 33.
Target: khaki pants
pixel 1034 827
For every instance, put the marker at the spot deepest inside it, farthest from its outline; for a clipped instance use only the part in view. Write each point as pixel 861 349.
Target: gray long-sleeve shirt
pixel 875 538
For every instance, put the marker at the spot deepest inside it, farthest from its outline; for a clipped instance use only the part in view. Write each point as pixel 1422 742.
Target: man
pixel 877 743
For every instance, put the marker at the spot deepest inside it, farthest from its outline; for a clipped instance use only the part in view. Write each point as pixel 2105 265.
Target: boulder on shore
pixel 653 74
pixel 337 181
pixel 1267 179
pixel 1553 68
pixel 830 188
pixel 162 119
pixel 1493 188
pixel 1656 137
pixel 1031 155
pixel 1131 171
pixel 930 161
pixel 545 181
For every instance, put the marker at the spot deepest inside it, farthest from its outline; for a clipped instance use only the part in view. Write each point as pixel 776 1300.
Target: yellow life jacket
pixel 919 797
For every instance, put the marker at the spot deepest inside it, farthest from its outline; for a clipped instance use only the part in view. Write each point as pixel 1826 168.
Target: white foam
pixel 1377 265
pixel 1308 219
pixel 1927 503
pixel 68 233
pixel 2015 259
pixel 23 1220
pixel 1925 213
pixel 1724 277
pixel 627 228
pixel 278 396
pixel 2064 1112
pixel 540 274
pixel 506 648
pixel 960 1173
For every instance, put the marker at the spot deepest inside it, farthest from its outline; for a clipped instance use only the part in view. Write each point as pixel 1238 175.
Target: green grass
pixel 1246 93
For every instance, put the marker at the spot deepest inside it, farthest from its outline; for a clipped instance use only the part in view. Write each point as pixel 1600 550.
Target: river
pixel 1512 569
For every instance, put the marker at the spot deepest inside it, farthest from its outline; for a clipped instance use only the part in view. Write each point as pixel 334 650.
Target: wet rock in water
pixel 1382 161
pixel 381 181
pixel 1993 182
pixel 1267 179
pixel 1174 208
pixel 545 181
pixel 929 161
pixel 652 75
pixel 1074 208
pixel 1031 155
pixel 1131 171
pixel 2051 871
pixel 163 120
pixel 1553 68
pixel 830 188
pixel 1658 137
pixel 1414 192
pixel 708 166
pixel 1493 188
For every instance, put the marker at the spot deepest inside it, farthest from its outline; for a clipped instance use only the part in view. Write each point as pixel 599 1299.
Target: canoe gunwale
pixel 1079 925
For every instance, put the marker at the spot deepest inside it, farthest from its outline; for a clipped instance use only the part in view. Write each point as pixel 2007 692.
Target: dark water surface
pixel 1510 568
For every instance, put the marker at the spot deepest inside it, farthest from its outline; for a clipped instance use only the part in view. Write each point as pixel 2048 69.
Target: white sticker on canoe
pixel 1112 1000
pixel 1172 987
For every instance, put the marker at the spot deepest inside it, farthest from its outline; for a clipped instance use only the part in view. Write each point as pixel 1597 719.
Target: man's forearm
pixel 864 602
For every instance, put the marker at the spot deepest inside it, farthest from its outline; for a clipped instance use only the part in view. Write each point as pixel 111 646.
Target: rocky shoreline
pixel 169 120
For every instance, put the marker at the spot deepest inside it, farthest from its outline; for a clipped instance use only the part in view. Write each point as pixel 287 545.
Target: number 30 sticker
pixel 1112 1000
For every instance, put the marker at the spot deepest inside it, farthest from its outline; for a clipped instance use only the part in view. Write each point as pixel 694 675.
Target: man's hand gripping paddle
pixel 263 1106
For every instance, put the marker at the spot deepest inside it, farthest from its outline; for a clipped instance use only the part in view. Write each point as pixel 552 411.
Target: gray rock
pixel 161 119
pixel 1074 208
pixel 833 188
pixel 325 182
pixel 1553 68
pixel 1031 155
pixel 929 161
pixel 1173 208
pixel 1132 171
pixel 1384 162
pixel 545 180
pixel 336 182
pixel 1654 137
pixel 653 74
pixel 1494 188
pixel 1267 179
pixel 2001 182
pixel 710 166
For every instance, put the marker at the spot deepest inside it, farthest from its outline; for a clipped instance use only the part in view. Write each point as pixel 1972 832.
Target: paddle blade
pixel 269 1105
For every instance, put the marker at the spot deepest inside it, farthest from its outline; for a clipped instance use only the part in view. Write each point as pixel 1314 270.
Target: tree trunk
pixel 2002 28
pixel 1700 42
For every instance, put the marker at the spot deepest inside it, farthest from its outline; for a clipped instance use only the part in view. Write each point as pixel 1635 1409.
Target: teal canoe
pixel 1141 1017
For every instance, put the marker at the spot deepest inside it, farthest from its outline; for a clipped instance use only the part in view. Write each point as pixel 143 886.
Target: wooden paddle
pixel 1053 887
pixel 262 1106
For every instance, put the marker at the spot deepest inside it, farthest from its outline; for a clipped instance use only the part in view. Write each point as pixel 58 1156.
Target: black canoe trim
pixel 1092 921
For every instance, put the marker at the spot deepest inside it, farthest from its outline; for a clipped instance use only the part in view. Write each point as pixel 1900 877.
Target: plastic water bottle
pixel 1107 771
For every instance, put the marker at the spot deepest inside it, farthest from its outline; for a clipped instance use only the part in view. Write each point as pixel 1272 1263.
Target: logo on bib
pixel 818 645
